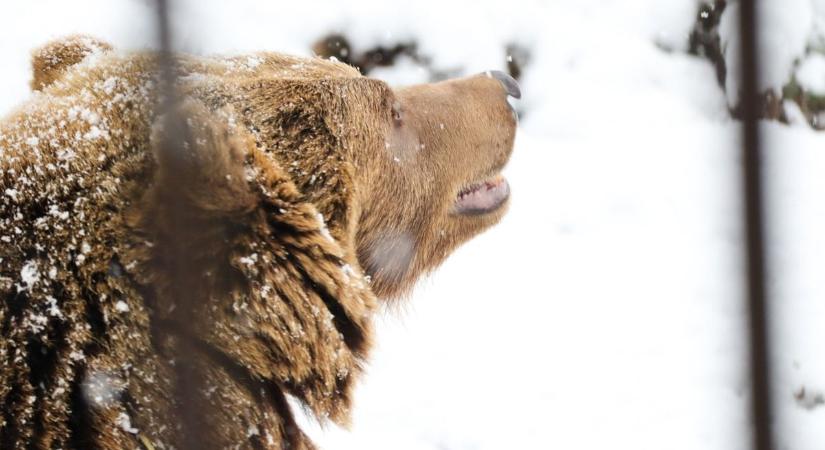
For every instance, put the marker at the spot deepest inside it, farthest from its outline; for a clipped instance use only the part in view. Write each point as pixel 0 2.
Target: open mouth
pixel 483 197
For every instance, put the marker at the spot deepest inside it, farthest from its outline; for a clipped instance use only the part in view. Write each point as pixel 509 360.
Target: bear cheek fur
pixel 439 138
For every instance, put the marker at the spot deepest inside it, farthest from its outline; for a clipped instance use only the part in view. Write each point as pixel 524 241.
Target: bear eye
pixel 396 113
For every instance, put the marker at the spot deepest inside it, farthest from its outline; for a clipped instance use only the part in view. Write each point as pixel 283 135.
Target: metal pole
pixel 188 382
pixel 754 225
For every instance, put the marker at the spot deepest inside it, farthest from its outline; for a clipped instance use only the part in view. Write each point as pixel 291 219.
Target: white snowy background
pixel 605 311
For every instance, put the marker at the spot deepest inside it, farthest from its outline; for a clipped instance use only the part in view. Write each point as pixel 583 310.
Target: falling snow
pixel 609 289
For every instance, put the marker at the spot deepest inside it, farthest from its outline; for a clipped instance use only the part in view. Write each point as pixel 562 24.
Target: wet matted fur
pixel 307 191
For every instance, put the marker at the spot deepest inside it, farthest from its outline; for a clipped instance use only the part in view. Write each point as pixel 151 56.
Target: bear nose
pixel 509 83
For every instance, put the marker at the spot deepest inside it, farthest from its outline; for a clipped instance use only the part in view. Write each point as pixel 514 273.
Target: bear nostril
pixel 509 83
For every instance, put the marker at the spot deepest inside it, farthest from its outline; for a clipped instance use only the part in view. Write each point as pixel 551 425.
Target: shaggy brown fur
pixel 306 191
pixel 51 61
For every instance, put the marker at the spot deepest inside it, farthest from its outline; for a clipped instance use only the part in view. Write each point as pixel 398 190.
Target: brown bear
pixel 171 271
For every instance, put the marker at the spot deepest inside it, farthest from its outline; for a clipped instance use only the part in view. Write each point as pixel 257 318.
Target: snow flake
pixel 125 423
pixel 29 275
pixel 109 85
pixel 324 230
pixel 56 212
pixel 93 133
pixel 250 260
pixel 89 116
pixel 54 310
pixel 394 253
pixel 37 322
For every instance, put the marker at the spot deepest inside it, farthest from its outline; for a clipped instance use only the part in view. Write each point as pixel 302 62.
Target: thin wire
pixel 752 186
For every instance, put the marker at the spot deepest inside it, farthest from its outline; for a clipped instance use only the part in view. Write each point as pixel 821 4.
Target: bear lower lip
pixel 483 197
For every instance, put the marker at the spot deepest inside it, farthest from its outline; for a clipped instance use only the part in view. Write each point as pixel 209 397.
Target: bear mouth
pixel 482 197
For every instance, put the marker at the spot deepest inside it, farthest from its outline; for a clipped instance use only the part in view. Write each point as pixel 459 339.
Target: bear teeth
pixel 483 197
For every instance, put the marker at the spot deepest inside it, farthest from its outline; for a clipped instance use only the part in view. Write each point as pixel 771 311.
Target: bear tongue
pixel 483 197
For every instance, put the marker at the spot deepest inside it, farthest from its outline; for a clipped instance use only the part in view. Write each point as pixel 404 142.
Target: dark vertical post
pixel 188 381
pixel 164 34
pixel 754 223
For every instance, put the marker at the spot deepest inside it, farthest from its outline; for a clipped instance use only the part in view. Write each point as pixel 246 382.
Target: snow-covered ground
pixel 605 311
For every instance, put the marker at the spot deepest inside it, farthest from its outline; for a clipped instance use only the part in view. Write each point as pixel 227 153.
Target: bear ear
pixel 51 61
